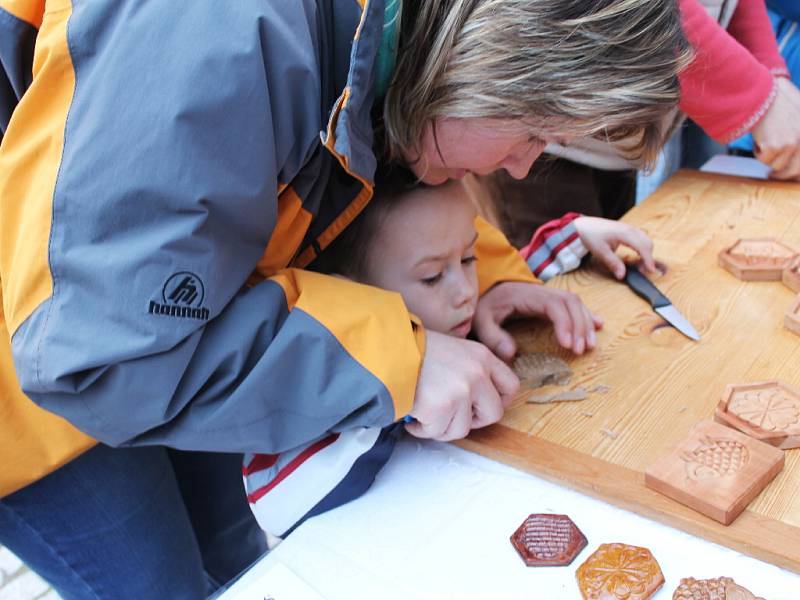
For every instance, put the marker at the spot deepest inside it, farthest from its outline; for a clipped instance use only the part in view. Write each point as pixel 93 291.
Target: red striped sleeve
pixel 546 231
pixel 291 466
pixel 554 254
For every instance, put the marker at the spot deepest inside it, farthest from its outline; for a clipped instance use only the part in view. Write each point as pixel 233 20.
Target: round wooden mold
pixel 545 540
pixel 721 588
pixel 536 369
pixel 791 275
pixel 767 410
pixel 757 259
pixel 791 320
pixel 619 571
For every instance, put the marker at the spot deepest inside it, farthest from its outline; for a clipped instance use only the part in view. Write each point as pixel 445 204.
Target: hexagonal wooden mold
pixel 767 410
pixel 757 259
pixel 548 540
pixel 791 275
pixel 715 470
pixel 721 588
pixel 791 320
pixel 617 571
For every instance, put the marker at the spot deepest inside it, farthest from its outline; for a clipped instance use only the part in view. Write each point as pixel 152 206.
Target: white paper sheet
pixel 436 524
pixel 741 166
pixel 278 583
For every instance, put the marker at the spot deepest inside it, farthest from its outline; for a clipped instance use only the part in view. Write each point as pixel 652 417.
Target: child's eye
pixel 432 280
pixel 468 260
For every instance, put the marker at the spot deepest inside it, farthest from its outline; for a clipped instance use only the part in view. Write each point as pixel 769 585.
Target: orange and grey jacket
pixel 154 156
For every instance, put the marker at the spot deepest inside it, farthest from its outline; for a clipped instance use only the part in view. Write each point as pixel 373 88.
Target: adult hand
pixel 574 323
pixel 776 137
pixel 461 386
pixel 603 236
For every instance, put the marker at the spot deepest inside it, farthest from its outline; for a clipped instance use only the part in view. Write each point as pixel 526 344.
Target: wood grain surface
pixel 648 385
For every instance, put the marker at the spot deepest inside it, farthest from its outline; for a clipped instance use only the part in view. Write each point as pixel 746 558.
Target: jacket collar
pixel 349 133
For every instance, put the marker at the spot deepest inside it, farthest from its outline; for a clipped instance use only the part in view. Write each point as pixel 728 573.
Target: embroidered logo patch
pixel 182 296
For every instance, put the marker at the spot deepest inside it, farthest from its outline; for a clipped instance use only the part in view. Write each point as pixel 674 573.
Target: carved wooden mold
pixel 715 470
pixel 619 571
pixel 548 540
pixel 768 411
pixel 757 259
pixel 721 588
pixel 791 275
pixel 791 319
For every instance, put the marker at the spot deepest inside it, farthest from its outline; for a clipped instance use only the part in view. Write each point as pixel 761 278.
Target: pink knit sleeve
pixel 725 90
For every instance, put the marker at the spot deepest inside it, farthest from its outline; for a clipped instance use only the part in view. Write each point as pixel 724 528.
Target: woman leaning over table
pixel 167 170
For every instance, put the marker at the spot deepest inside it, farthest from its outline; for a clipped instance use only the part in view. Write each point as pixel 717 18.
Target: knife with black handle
pixel 660 303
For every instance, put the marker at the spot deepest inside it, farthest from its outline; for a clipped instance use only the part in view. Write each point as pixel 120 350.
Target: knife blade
pixel 660 303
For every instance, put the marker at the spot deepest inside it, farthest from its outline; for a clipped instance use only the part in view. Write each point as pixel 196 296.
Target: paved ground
pixel 17 582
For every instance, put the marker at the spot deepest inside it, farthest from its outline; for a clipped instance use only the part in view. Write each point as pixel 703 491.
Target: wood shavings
pixel 547 375
pixel 545 396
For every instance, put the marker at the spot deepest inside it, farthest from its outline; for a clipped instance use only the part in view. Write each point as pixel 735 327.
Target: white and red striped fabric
pixel 555 248
pixel 282 489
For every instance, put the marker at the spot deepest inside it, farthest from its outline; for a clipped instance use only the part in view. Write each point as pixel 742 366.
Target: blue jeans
pixel 135 523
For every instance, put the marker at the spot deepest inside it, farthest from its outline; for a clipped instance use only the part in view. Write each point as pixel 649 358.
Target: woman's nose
pixel 518 166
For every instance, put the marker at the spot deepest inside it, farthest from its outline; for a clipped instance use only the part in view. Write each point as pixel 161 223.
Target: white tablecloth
pixel 436 526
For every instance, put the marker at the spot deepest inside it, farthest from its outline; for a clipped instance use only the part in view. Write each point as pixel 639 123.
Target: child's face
pixel 425 250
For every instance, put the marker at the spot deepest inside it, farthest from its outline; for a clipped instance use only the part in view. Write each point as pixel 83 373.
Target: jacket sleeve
pixel 555 248
pixel 136 203
pixel 286 489
pixel 788 9
pixel 498 260
pixel 725 89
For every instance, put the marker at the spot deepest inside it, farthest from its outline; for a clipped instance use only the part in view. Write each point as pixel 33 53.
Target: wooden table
pixel 648 384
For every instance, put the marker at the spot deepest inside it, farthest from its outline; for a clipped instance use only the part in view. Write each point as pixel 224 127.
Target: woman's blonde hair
pixel 600 68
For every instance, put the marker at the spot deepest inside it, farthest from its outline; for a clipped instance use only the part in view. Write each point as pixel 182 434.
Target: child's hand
pixel 573 322
pixel 603 236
